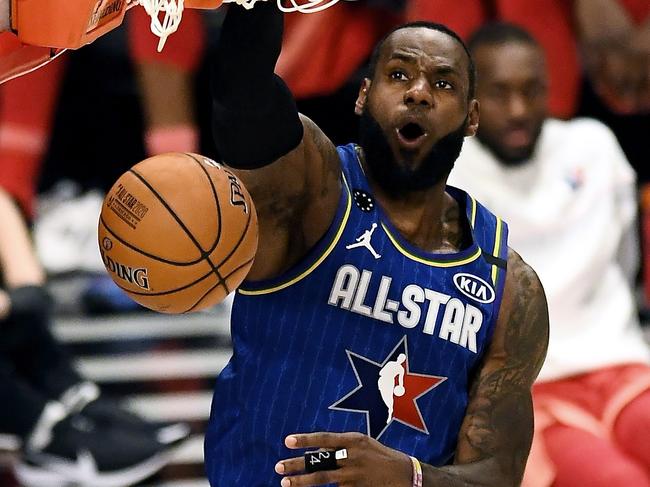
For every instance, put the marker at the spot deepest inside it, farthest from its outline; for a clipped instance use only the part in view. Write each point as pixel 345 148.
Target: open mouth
pixel 411 135
pixel 518 137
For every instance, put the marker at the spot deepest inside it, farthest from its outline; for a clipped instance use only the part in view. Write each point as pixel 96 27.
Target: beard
pixel 395 179
pixel 506 156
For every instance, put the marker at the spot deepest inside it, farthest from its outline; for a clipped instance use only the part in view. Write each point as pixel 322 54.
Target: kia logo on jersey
pixel 474 287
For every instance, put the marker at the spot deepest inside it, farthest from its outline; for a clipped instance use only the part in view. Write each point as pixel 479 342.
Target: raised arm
pixel 496 435
pixel 289 166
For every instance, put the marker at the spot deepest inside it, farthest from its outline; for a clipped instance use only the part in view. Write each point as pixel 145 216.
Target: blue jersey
pixel 367 333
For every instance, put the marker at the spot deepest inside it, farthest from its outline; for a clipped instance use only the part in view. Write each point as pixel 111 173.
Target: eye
pixel 533 91
pixel 443 85
pixel 398 75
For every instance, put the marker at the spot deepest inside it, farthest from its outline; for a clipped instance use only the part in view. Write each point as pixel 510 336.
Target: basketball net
pixel 166 14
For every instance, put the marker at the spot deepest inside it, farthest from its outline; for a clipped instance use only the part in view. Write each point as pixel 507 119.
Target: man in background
pixel 568 194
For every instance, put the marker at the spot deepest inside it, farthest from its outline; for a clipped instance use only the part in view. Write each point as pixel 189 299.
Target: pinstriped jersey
pixel 367 334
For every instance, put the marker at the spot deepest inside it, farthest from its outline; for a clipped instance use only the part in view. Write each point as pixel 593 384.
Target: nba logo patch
pixel 387 391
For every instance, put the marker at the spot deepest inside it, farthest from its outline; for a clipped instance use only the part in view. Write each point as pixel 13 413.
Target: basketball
pixel 399 391
pixel 178 232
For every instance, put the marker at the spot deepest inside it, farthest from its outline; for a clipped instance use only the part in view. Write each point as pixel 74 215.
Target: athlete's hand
pixel 368 462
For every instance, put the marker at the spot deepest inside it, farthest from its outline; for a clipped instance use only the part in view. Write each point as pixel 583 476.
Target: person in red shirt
pixel 563 29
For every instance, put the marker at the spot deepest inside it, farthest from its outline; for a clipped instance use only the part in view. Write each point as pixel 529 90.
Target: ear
pixel 362 99
pixel 472 118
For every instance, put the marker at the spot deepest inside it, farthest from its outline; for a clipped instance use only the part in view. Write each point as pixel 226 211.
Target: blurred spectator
pixel 346 33
pixel 568 195
pixel 166 81
pixel 615 39
pixel 614 36
pixel 122 101
pixel 98 132
pixel 324 56
pixel 165 86
pixel 550 21
pixel 58 416
pixel 598 61
pixel 69 433
pixel 26 110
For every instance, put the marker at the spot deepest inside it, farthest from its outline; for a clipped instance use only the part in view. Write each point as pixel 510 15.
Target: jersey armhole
pixel 314 257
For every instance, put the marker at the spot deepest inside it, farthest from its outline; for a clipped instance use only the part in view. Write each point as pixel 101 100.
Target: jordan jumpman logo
pixel 364 241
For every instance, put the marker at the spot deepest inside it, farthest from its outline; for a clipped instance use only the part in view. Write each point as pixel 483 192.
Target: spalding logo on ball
pixel 178 232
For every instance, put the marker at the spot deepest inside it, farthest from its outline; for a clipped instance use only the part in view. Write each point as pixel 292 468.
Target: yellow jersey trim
pixel 473 221
pixel 318 261
pixel 430 262
pixel 497 249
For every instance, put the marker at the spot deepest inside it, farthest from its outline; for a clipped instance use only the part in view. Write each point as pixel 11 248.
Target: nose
pixel 419 93
pixel 517 106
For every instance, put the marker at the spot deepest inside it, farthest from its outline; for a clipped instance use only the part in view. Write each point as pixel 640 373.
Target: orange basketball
pixel 178 232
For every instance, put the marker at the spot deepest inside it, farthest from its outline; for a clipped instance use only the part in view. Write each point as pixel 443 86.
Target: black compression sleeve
pixel 255 118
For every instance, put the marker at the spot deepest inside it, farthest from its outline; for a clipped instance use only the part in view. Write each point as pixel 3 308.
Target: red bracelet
pixel 417 472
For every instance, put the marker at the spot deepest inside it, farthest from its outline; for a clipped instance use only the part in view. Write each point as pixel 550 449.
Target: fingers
pixel 296 465
pixel 324 440
pixel 327 441
pixel 317 478
pixel 290 466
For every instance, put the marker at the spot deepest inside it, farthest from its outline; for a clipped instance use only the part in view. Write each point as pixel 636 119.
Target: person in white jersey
pixel 568 194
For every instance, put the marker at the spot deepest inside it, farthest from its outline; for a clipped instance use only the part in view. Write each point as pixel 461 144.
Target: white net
pixel 166 14
pixel 165 17
pixel 305 7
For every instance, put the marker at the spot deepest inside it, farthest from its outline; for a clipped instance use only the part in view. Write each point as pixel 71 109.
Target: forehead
pixel 427 45
pixel 509 61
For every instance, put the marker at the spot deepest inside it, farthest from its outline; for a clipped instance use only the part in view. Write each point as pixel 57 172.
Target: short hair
pixel 376 53
pixel 498 33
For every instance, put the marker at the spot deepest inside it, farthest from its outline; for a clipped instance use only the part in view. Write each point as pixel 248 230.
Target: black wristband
pixel 255 119
pixel 250 140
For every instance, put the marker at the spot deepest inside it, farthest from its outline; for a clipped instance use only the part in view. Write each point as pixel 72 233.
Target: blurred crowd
pixel 93 113
pixel 68 131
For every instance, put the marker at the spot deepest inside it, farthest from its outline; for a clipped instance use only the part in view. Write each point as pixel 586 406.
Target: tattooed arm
pixel 496 434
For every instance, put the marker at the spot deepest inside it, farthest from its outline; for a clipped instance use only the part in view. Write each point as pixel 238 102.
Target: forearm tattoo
pixel 499 420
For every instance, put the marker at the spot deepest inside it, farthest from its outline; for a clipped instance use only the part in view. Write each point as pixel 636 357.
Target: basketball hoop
pixel 173 11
